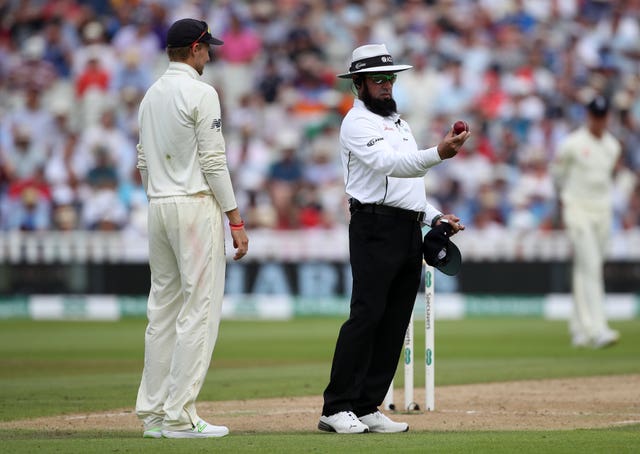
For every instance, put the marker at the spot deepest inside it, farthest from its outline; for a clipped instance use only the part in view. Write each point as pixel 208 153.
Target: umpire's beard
pixel 382 107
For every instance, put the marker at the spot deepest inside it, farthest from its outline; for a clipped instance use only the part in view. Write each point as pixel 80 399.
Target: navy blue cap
pixel 598 106
pixel 439 251
pixel 185 32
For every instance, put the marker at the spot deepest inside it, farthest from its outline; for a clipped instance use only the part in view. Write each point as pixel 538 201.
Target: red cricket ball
pixel 460 126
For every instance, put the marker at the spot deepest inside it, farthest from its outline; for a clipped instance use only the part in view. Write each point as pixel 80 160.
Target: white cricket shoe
pixel 152 432
pixel 202 429
pixel 344 422
pixel 580 341
pixel 606 339
pixel 380 423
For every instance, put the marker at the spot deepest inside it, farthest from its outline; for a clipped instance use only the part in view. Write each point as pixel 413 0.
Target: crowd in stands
pixel 73 72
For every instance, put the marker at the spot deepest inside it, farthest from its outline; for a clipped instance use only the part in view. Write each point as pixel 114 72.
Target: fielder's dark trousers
pixel 386 264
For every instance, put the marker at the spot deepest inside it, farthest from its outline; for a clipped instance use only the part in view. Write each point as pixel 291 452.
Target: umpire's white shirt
pixel 382 163
pixel 181 143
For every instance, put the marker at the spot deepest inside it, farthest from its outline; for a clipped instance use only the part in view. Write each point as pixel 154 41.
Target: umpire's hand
pixel 452 143
pixel 453 221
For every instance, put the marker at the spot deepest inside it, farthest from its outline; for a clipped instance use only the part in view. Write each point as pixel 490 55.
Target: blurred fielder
pixel 182 160
pixel 583 173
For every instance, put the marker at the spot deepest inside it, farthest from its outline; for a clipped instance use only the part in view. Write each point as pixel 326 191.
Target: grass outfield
pixel 50 368
pixel 619 441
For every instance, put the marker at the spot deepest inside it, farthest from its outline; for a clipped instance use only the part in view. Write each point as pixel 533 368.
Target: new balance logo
pixel 200 426
pixel 216 124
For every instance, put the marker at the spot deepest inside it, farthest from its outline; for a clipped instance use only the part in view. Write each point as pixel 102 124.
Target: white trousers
pixel 589 232
pixel 187 262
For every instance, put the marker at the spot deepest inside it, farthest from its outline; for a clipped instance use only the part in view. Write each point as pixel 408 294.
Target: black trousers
pixel 386 263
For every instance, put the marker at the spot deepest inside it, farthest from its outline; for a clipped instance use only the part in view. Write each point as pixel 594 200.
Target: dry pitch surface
pixel 558 404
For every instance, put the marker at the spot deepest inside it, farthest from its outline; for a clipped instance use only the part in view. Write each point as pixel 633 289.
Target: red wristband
pixel 236 226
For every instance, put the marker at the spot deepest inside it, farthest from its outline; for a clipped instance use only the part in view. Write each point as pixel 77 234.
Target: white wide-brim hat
pixel 372 58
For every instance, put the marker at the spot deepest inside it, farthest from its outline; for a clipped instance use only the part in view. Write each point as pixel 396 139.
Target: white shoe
pixel 580 341
pixel 202 429
pixel 380 423
pixel 606 339
pixel 152 432
pixel 344 422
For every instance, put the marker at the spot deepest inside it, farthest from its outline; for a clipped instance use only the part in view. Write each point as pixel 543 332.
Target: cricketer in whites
pixel 583 174
pixel 182 160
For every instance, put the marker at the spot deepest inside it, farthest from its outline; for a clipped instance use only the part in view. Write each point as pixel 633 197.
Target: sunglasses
pixel 379 79
pixel 193 44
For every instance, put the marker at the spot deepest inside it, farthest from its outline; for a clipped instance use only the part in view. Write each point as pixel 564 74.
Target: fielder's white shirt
pixel 382 163
pixel 583 168
pixel 181 147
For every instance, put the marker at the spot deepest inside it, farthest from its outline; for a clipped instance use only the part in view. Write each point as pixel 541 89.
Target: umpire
pixel 383 173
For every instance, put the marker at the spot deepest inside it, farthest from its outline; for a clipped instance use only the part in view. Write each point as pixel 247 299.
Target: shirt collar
pixel 179 67
pixel 357 103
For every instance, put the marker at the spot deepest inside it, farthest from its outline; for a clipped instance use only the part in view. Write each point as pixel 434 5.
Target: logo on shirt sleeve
pixel 372 142
pixel 216 124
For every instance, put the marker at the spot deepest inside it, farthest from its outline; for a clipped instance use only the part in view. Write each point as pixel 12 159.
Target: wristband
pixel 236 226
pixel 435 219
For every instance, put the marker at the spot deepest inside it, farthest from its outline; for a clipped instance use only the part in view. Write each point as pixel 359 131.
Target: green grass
pixel 49 368
pixel 619 441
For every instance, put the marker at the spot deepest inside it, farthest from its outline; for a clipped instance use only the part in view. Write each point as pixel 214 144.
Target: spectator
pixel 30 71
pixel 138 39
pixel 127 112
pixel 242 46
pixel 323 178
pixel 314 95
pixel 105 135
pixel 28 210
pixel 284 180
pixel 471 170
pixel 131 73
pixel 521 18
pixel 455 93
pixel 58 48
pixel 24 156
pixel 423 79
pixel 94 45
pixel 249 159
pixel 103 209
pixel 65 218
pixel 93 77
pixel 27 203
pixel 63 169
pixel 516 86
pixel 271 81
pixel 535 187
pixel 32 118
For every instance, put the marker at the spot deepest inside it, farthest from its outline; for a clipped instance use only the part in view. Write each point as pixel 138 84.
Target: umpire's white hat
pixel 372 58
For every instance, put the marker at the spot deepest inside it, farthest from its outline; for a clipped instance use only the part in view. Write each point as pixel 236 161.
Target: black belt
pixel 385 210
